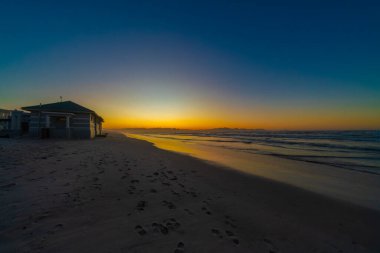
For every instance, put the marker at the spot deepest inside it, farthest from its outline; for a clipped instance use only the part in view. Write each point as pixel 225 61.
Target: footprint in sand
pixel 229 221
pixel 188 211
pixel 168 225
pixel 180 248
pixel 193 194
pixel 141 205
pixel 157 227
pixel 217 233
pixel 232 236
pixel 140 230
pixel 131 189
pixel 206 210
pixel 58 226
pixel 172 224
pixel 229 234
pixel 175 193
pixel 271 247
pixel 170 205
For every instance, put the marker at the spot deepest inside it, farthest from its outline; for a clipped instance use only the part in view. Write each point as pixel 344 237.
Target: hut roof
pixel 65 106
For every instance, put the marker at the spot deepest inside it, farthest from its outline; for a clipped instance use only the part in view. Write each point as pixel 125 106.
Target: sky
pixel 295 65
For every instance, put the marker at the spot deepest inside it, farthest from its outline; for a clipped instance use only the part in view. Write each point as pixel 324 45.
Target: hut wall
pixel 37 121
pixel 80 126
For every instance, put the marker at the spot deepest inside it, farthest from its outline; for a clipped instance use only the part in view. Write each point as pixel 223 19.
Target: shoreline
pixel 322 179
pixel 245 176
pixel 121 194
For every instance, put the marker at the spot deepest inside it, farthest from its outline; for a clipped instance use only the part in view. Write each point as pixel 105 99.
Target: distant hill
pixel 176 130
pixel 226 129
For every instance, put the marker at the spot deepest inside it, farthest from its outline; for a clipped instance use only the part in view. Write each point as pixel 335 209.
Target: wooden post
pixel 47 121
pixel 68 127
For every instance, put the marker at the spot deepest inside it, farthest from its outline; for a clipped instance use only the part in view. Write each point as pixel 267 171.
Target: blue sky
pixel 318 55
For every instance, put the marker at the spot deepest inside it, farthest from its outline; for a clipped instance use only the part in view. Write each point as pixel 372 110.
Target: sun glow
pixel 174 117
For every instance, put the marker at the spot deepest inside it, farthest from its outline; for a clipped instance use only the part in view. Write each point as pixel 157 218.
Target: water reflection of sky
pixel 363 155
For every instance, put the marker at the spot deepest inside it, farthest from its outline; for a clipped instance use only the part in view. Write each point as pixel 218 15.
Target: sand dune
pixel 123 195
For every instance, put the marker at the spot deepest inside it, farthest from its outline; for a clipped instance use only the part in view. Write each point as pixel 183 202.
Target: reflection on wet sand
pixel 354 186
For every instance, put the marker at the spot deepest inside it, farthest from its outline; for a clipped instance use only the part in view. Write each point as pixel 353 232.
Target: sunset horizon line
pixel 245 129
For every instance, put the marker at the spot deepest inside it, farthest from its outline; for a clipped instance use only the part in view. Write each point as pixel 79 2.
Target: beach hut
pixel 5 119
pixel 63 120
pixel 13 123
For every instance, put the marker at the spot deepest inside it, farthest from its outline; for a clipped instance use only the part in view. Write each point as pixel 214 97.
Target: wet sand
pixel 118 194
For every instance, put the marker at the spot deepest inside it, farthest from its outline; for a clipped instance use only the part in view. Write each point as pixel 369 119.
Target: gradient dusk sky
pixel 197 64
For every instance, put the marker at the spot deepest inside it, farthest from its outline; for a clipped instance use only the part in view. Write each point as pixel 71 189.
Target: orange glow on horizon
pixel 328 122
pixel 214 114
pixel 196 111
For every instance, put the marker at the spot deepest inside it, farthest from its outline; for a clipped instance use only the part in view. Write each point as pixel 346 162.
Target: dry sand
pixel 118 194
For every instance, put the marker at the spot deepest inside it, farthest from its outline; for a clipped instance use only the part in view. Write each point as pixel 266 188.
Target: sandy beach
pixel 119 194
